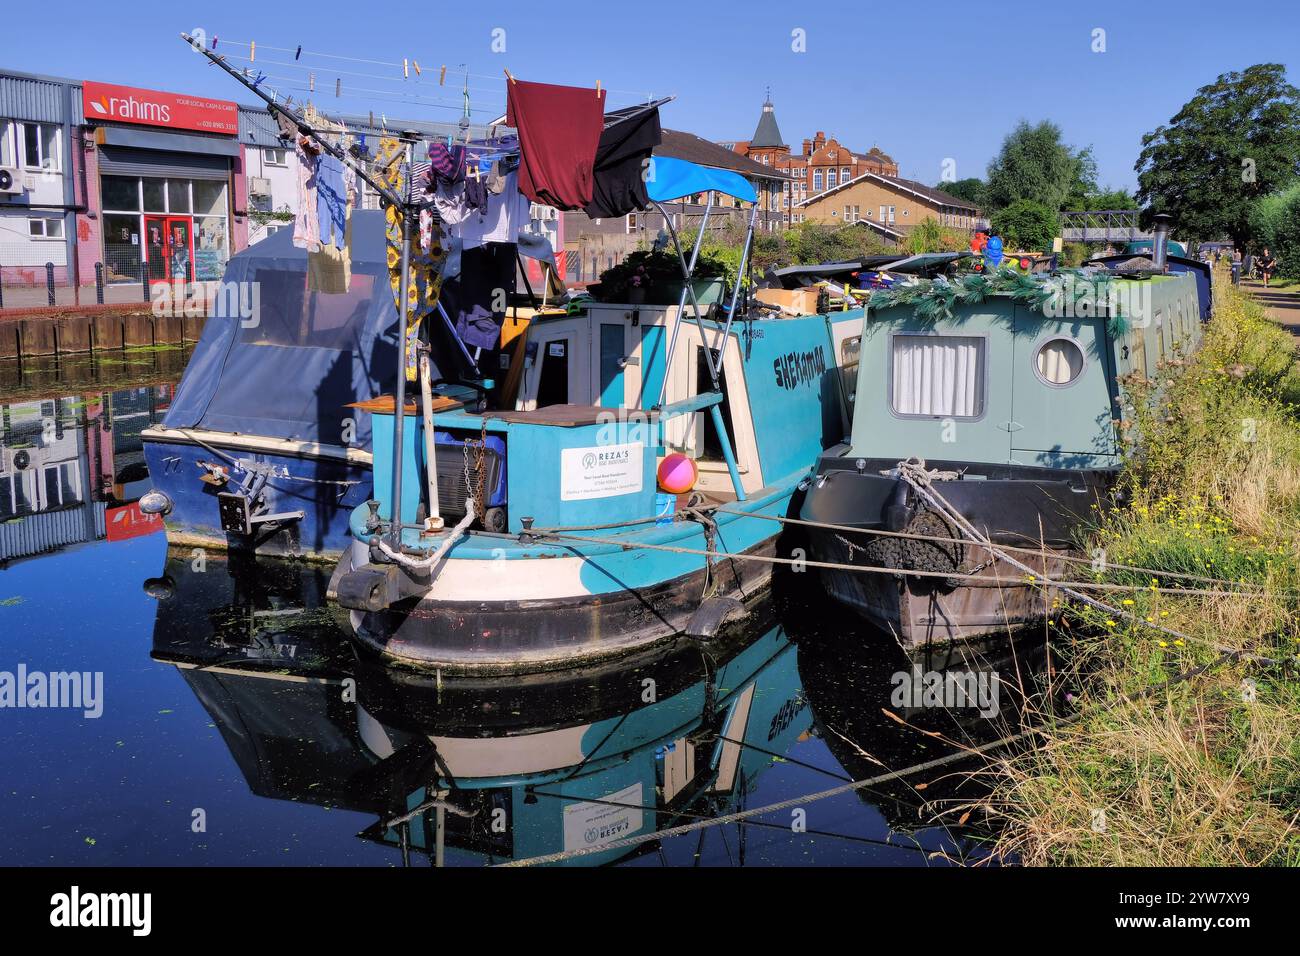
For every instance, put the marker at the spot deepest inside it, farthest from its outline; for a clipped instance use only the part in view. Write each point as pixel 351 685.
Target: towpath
pixel 1283 304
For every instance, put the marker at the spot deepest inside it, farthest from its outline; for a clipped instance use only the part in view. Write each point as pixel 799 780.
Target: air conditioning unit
pixel 259 186
pixel 11 181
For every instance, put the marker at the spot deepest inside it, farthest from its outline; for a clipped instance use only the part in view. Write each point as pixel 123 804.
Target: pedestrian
pixel 1266 265
pixel 1247 264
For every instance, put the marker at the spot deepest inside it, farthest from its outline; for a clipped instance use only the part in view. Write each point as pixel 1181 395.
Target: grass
pixel 1155 769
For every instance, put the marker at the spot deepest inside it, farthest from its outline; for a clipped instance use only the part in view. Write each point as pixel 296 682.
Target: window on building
pixel 44 228
pixel 7 154
pixel 817 180
pixel 831 179
pixel 848 213
pixel 857 212
pixel 41 146
pixel 276 157
pixel 631 222
pixel 844 175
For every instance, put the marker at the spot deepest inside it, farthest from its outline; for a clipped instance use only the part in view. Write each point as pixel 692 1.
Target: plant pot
pixel 707 292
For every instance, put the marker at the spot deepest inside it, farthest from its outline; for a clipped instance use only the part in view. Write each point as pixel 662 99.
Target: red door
pixel 169 248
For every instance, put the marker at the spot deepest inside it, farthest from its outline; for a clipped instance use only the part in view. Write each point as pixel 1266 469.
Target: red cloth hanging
pixel 559 130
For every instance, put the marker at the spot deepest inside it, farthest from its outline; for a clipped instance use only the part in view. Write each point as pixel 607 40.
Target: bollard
pixel 49 280
pixel 99 283
pixel 2 287
pixel 144 280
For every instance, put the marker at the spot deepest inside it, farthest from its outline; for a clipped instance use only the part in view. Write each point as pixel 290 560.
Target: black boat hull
pixel 1045 510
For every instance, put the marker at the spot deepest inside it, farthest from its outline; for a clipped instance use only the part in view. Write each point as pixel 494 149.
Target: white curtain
pixel 1060 362
pixel 941 375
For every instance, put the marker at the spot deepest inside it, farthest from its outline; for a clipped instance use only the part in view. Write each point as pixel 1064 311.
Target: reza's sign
pixel 125 104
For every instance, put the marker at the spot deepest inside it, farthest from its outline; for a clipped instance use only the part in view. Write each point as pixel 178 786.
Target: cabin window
pixel 1059 362
pixel 937 376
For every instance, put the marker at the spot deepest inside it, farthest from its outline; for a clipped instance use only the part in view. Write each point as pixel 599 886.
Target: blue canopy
pixel 671 179
pixel 290 369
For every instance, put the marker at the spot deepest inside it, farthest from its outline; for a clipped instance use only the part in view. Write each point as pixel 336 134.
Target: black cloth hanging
pixel 487 279
pixel 618 186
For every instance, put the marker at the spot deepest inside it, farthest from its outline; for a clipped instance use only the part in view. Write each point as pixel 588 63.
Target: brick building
pixel 821 164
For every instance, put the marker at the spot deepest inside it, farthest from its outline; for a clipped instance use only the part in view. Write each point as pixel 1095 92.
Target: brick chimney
pixel 807 147
pixel 819 140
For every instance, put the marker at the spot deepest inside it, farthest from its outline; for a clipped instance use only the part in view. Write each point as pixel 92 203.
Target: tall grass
pixel 1205 770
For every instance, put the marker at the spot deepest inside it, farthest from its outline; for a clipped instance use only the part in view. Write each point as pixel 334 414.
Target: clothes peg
pixel 214 41
pixel 252 50
pixel 442 75
pixel 598 87
pixel 406 70
pixel 416 64
pixel 299 53
pixel 372 119
pixel 509 77
pixel 338 87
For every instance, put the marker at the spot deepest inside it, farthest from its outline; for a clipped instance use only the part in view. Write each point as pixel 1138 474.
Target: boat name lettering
pixel 799 368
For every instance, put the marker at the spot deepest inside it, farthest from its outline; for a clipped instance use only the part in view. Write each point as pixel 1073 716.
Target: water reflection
pixel 72 466
pixel 483 770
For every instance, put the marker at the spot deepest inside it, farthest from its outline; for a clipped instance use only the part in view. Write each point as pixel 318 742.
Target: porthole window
pixel 1059 362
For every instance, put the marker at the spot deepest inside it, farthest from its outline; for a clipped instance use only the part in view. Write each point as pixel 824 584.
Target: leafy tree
pixel 970 189
pixel 1035 165
pixel 1026 225
pixel 1275 225
pixel 1236 140
pixel 1108 198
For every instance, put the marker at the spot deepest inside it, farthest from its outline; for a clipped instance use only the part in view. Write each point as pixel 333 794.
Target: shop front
pixel 166 165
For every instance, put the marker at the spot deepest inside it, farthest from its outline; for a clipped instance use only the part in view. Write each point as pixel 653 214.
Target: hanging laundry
pixel 306 221
pixel 499 219
pixel 447 162
pixel 559 130
pixel 619 171
pixel 469 300
pixel 332 200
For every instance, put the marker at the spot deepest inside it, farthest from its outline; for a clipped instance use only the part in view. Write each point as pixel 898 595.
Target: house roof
pixel 928 193
pixel 695 149
pixel 767 135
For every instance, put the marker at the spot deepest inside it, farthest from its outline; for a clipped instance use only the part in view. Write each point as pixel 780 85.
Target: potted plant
pixel 655 277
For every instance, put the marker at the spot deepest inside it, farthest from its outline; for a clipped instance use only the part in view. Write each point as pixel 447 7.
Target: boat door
pixel 557 364
pixel 1061 396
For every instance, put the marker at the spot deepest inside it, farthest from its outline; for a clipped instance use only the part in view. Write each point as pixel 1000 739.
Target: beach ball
pixel 677 473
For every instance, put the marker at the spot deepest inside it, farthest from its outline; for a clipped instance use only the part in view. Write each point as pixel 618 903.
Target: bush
pixel 1073 254
pixel 1275 223
pixel 1026 225
pixel 929 236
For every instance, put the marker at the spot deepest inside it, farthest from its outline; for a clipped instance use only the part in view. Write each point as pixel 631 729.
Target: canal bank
pixel 1183 750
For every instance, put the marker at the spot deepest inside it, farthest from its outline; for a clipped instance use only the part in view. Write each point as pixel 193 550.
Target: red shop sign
pixel 126 104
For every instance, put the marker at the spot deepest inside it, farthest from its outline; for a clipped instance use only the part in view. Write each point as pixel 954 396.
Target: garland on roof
pixel 1076 292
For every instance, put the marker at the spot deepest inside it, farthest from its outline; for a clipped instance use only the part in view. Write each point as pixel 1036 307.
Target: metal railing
pixel 1102 225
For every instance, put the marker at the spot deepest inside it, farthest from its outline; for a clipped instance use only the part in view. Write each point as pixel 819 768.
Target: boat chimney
pixel 1160 247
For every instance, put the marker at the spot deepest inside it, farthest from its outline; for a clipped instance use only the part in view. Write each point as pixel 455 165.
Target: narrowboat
pixel 259 451
pixel 994 400
pixel 557 544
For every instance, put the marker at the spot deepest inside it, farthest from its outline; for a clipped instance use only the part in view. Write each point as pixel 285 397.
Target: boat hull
pixel 1041 509
pixel 324 484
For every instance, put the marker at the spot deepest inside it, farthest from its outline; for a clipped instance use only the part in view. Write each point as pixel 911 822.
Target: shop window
pixel 178 195
pixel 45 228
pixel 211 247
pixel 155 199
pixel 120 193
pixel 209 198
pixel 121 248
pixel 41 146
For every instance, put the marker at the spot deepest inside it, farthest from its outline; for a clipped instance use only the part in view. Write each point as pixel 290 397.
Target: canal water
pixel 235 724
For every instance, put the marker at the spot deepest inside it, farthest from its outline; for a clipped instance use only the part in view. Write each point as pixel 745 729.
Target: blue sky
pixel 924 81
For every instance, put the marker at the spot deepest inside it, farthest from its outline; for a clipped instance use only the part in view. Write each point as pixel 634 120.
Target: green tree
pixel 1026 225
pixel 970 189
pixel 1108 198
pixel 1034 164
pixel 1236 140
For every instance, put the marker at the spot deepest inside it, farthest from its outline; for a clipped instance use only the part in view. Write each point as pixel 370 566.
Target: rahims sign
pixel 126 104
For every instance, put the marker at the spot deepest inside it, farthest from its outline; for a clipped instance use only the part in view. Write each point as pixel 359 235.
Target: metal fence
pixel 1102 225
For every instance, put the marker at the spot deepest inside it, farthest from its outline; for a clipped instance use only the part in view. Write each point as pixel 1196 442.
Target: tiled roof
pixel 696 149
pixel 936 196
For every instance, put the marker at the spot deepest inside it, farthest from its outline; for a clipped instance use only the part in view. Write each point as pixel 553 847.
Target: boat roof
pixel 671 179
